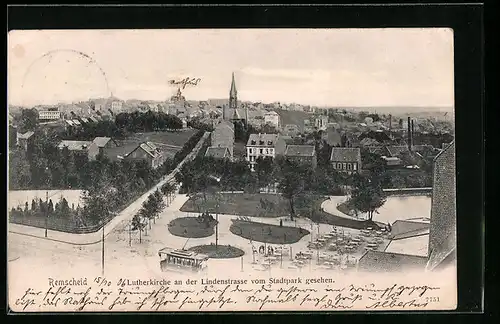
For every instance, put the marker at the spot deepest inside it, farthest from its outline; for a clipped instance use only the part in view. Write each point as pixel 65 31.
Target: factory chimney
pixel 409 134
pixel 412 133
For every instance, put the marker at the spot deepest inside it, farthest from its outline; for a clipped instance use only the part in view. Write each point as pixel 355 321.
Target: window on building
pixel 261 151
pixel 355 166
pixel 253 142
pixel 349 166
pixel 339 166
pixel 343 166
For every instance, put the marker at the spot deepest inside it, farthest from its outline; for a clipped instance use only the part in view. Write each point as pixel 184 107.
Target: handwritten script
pixel 101 294
pixel 185 82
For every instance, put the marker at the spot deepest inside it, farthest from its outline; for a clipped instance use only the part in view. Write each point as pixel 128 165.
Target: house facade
pixel 303 154
pixel 264 145
pixel 25 140
pixel 346 159
pixel 80 148
pixel 272 118
pixel 100 145
pixel 147 152
pixel 49 114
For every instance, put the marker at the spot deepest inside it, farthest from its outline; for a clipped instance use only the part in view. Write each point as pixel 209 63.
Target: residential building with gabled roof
pixel 148 152
pixel 303 154
pixel 346 159
pixel 264 145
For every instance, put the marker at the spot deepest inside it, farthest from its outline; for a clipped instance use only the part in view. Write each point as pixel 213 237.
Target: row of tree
pixel 152 208
pixel 147 121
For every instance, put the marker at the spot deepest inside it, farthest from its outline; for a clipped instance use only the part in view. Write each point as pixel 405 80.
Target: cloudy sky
pixel 335 67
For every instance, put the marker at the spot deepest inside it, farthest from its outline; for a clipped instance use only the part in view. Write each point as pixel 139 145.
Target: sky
pixel 322 67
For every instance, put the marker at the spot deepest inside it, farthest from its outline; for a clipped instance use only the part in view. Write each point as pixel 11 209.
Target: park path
pixel 123 216
pixel 330 206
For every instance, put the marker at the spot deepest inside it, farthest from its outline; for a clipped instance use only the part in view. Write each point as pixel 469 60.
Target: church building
pixel 233 112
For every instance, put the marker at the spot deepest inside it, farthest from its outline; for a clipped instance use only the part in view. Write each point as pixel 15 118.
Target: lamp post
pixel 102 256
pixel 46 212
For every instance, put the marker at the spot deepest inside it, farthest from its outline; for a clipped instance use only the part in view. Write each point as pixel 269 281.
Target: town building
pixel 232 111
pixel 303 154
pixel 291 130
pixel 272 118
pixel 218 152
pixel 49 115
pixel 100 145
pixel 442 235
pixel 79 147
pixel 223 136
pixel 321 122
pixel 116 106
pixel 264 145
pixel 24 140
pixel 148 152
pixel 346 159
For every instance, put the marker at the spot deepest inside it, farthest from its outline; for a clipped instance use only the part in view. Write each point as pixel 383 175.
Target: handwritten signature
pixel 185 82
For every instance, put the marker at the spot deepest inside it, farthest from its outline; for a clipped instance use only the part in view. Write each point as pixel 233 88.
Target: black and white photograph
pixel 218 170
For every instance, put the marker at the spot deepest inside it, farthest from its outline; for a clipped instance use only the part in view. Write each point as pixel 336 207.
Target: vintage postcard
pixel 231 170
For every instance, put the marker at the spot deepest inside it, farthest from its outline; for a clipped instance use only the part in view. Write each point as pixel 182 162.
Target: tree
pixel 291 182
pixel 137 224
pixel 168 189
pixel 50 206
pixel 264 169
pixel 368 198
pixel 33 205
pixel 29 119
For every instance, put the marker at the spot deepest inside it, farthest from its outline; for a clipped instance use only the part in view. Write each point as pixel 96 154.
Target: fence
pixel 66 224
pixel 408 191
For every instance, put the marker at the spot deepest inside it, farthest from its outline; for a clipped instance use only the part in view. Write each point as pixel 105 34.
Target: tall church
pixel 232 111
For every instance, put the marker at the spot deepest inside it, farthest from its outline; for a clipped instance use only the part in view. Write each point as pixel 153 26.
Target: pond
pixel 404 207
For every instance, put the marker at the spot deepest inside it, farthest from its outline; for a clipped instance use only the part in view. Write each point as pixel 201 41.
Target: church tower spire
pixel 233 95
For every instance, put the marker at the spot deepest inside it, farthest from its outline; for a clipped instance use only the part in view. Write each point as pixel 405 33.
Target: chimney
pixel 390 122
pixel 409 134
pixel 412 133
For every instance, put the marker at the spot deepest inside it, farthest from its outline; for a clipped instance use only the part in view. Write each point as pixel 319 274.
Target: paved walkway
pixel 122 218
pixel 330 206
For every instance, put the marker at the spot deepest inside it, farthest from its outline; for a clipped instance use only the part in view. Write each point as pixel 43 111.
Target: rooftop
pixel 25 135
pixel 398 149
pixel 101 141
pixel 75 145
pixel 262 139
pixel 405 228
pixel 300 150
pixel 413 245
pixel 217 152
pixel 345 154
pixel 387 261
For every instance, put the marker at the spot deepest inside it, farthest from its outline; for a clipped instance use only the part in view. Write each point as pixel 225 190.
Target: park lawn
pixel 267 233
pixel 241 204
pixel 190 227
pixel 244 204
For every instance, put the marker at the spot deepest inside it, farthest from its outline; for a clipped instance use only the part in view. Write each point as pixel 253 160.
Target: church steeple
pixel 233 95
